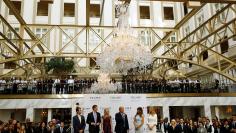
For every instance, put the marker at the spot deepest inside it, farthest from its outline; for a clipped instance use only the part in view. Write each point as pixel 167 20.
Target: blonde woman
pixel 139 120
pixel 22 129
pixel 151 121
pixel 173 126
pixel 106 122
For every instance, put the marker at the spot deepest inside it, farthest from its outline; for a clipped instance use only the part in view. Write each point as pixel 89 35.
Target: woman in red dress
pixel 106 122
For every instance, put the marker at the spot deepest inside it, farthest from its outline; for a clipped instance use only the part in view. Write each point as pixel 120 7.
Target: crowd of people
pixel 97 122
pixel 78 86
pixel 202 125
pixel 14 126
pixel 103 123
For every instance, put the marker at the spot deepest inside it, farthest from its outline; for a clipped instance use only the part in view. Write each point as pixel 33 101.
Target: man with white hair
pixel 122 124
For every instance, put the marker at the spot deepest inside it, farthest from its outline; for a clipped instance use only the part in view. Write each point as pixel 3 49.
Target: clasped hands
pixel 95 124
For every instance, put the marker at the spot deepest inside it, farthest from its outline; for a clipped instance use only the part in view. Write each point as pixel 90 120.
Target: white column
pixel 55 18
pixel 73 110
pixel 156 15
pixel 56 12
pixel 81 12
pixel 207 111
pixel 30 114
pixel 49 115
pixel 156 12
pixel 80 19
pixel 134 13
pixel 166 112
pixel 179 12
pixel 28 10
pixel 107 12
pixel 217 112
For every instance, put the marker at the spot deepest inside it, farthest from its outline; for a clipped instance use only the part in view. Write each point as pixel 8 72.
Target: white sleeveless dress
pixel 138 121
pixel 152 120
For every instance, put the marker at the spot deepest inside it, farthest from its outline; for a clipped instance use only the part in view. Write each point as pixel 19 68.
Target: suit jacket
pixel 224 129
pixel 29 128
pixel 183 129
pixel 166 126
pixel 233 126
pixel 58 130
pixel 216 129
pixel 90 119
pixel 208 128
pixel 77 124
pixel 192 129
pixel 40 130
pixel 121 125
pixel 174 130
pixel 161 127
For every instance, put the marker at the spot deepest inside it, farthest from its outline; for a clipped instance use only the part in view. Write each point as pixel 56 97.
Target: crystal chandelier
pixel 124 52
pixel 104 84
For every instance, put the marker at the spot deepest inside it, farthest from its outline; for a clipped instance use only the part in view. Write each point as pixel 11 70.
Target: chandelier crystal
pixel 104 84
pixel 124 52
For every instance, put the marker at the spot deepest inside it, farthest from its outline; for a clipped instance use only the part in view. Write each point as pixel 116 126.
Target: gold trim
pixel 42 96
pixel 154 95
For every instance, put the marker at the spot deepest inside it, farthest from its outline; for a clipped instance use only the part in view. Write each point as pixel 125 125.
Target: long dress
pixel 106 124
pixel 152 120
pixel 138 121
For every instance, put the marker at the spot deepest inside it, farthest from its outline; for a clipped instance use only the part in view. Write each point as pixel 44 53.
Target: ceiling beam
pixel 16 13
pixel 102 27
pixel 87 12
pixel 15 33
pixel 15 62
pixel 3 44
pixel 181 23
pixel 12 44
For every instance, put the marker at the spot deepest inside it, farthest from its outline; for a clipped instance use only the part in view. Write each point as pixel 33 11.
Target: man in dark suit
pixel 160 126
pixel 79 121
pixel 61 129
pixel 208 126
pixel 50 84
pixel 182 127
pixel 174 128
pixel 122 124
pixel 166 125
pixel 225 128
pixel 94 120
pixel 233 124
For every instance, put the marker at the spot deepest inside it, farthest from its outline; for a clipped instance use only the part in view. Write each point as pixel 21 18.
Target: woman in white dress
pixel 152 121
pixel 139 120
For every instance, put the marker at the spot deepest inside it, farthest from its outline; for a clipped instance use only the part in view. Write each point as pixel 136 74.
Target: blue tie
pixel 95 117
